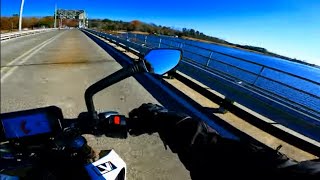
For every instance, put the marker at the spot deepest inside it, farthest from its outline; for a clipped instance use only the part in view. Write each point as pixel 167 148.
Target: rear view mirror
pixel 160 61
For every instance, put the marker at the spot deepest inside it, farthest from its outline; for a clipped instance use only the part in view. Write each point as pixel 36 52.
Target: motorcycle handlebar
pixel 110 124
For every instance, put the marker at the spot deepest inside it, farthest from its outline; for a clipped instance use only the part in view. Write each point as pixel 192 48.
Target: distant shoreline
pixel 249 50
pixel 220 44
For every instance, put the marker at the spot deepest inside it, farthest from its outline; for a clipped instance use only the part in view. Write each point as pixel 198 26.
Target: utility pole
pixel 55 16
pixel 20 18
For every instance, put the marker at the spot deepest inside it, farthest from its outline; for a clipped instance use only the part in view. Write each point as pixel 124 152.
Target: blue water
pixel 276 73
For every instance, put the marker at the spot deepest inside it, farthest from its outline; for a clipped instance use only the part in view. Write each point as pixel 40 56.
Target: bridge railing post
pixel 145 40
pixel 209 59
pixel 258 75
pixel 159 43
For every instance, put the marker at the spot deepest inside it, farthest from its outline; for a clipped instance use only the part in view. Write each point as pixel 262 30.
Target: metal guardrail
pixel 299 117
pixel 240 70
pixel 7 36
pixel 254 74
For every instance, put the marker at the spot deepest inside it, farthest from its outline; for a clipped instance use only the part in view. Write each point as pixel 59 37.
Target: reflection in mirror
pixel 160 61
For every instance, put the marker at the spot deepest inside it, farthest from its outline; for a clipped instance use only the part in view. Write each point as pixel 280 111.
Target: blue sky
pixel 287 27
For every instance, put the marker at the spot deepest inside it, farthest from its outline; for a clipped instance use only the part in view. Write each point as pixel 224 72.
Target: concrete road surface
pixel 55 68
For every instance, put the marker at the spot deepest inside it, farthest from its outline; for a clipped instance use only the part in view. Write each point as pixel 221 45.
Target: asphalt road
pixel 54 68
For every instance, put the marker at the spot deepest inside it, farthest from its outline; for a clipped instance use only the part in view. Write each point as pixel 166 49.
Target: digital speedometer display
pixel 26 125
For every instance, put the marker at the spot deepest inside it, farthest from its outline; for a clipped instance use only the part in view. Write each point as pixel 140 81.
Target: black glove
pixel 175 129
pixel 144 119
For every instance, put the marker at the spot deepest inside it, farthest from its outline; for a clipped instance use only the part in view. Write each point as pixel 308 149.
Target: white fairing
pixel 108 167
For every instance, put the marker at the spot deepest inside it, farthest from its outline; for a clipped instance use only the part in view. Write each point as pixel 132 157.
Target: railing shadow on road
pixel 219 110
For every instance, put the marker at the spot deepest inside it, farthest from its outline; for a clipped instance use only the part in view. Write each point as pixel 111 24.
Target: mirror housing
pixel 157 61
pixel 162 60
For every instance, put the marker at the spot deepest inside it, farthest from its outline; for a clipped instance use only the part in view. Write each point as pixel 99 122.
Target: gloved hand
pixel 144 119
pixel 177 130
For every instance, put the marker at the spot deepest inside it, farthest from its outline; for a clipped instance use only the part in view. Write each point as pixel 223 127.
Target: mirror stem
pixel 108 81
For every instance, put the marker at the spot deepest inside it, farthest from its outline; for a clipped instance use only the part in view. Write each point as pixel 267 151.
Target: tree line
pixel 110 25
pixel 151 28
pixel 12 23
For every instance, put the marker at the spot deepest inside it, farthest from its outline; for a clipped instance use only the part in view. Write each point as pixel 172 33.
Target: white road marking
pixel 24 57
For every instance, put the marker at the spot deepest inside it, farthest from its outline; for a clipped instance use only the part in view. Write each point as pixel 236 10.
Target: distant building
pixel 73 14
